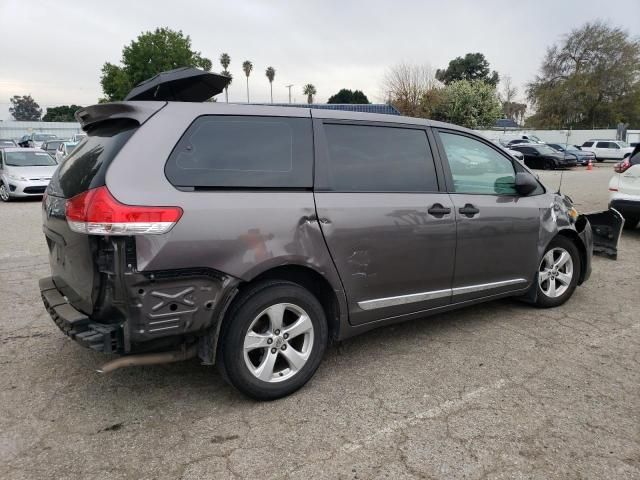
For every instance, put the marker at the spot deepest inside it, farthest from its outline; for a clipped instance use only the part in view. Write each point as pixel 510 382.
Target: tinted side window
pixel 379 159
pixel 476 167
pixel 239 151
pixel 587 144
pixel 603 145
pixel 86 167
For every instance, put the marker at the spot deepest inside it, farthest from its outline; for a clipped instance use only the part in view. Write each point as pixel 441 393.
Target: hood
pixel 33 172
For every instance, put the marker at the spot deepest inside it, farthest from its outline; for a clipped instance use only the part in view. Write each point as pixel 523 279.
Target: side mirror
pixel 525 183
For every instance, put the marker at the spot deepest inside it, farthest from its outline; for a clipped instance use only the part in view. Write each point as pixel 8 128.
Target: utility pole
pixel 289 87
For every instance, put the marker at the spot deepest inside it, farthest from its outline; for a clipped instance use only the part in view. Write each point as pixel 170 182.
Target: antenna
pixel 560 184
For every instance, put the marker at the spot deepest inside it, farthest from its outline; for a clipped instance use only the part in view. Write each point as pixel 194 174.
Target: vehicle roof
pixel 21 149
pixel 222 108
pixel 604 140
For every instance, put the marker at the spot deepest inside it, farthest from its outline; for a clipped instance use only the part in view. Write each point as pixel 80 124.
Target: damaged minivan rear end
pixel 250 236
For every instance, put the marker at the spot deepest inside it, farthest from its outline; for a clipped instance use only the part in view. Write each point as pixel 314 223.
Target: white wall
pixel 15 130
pixel 576 137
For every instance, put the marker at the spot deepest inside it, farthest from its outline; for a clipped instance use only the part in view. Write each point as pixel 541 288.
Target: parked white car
pixel 624 189
pixel 604 149
pixel 64 150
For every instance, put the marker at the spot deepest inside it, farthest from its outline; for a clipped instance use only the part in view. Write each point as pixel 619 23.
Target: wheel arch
pixel 313 281
pixel 582 249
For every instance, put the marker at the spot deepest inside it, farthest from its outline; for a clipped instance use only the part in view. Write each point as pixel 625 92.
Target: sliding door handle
pixel 437 210
pixel 468 210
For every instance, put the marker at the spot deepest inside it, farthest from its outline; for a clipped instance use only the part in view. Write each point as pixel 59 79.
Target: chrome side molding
pixel 403 299
pixel 434 294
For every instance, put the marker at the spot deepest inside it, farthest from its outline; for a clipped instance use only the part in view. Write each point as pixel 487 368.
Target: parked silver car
pixel 250 236
pixel 24 172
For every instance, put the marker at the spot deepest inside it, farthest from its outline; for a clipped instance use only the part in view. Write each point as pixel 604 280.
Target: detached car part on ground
pixel 250 236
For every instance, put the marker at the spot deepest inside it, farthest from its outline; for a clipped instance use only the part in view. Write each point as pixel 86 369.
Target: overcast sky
pixel 54 50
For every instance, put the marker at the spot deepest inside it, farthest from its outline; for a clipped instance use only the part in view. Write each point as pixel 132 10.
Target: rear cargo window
pixel 239 151
pixel 86 167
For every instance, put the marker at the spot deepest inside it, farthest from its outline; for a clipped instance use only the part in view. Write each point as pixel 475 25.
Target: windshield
pixel 29 159
pixel 623 144
pixel 546 150
pixel 42 137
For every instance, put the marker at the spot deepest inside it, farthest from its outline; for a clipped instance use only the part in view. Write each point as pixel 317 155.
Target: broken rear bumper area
pixel 75 324
pixel 153 313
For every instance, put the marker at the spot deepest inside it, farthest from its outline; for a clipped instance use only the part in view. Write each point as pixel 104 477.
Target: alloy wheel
pixel 278 343
pixel 555 272
pixel 4 193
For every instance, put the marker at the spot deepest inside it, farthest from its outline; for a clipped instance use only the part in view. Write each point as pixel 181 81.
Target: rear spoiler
pixel 137 111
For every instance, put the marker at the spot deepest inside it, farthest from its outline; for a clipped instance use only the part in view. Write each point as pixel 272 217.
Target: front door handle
pixel 437 210
pixel 468 210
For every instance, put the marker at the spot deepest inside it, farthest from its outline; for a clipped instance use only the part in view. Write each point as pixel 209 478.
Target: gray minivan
pixel 251 236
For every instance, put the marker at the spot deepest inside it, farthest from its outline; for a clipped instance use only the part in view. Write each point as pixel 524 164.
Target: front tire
pixel 273 339
pixel 558 273
pixel 4 193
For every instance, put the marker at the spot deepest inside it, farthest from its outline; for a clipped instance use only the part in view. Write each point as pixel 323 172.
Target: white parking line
pixel 445 407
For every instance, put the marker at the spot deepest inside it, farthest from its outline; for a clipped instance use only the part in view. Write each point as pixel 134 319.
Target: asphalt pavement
pixel 500 390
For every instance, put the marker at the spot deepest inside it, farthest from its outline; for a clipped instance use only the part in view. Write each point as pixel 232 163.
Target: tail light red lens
pixel 96 212
pixel 621 167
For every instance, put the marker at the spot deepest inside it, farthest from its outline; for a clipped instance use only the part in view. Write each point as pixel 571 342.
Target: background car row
pixel 25 171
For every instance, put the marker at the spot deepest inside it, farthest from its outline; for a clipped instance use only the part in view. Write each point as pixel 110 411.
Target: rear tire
pixel 558 273
pixel 273 339
pixel 599 160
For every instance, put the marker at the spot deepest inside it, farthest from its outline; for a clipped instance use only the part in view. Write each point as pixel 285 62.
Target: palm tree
pixel 309 90
pixel 247 66
pixel 225 61
pixel 271 74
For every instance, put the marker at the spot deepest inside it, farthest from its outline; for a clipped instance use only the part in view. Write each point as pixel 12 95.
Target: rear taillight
pixel 622 166
pixel 96 212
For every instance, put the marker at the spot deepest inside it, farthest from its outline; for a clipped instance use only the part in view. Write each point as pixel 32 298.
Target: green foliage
pixel 63 113
pixel 348 96
pixel 309 90
pixel 151 53
pixel 24 108
pixel 472 67
pixel 591 79
pixel 472 104
pixel 270 73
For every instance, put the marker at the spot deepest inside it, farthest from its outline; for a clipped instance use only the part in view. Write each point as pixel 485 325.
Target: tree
pixel 590 79
pixel 472 104
pixel 510 108
pixel 247 66
pixel 225 61
pixel 472 67
pixel 406 85
pixel 24 108
pixel 348 96
pixel 309 90
pixel 151 53
pixel 63 113
pixel 271 74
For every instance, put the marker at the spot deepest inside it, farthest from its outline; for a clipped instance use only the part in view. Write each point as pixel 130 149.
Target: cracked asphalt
pixel 500 390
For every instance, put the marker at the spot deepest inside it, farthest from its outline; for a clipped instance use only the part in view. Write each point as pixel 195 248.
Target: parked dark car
pixel 582 157
pixel 251 236
pixel 544 157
